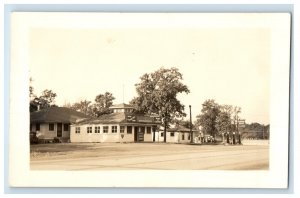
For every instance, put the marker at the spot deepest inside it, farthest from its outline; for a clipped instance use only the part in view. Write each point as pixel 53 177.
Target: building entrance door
pixel 59 130
pixel 136 130
pixel 141 134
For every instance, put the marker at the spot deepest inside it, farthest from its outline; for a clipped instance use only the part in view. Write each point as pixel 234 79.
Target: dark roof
pixel 56 114
pixel 121 106
pixel 179 128
pixel 106 118
pixel 120 117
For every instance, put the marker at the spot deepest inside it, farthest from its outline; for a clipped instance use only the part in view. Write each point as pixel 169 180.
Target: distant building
pixel 53 122
pixel 122 125
pixel 177 134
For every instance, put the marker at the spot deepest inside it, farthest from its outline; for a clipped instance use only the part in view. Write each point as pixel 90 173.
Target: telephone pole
pixel 191 132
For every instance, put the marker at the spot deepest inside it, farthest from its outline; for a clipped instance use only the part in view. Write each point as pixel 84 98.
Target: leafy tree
pixel 208 117
pixel 46 100
pixel 223 119
pixel 235 116
pixel 83 106
pixel 102 104
pixel 32 105
pixel 157 93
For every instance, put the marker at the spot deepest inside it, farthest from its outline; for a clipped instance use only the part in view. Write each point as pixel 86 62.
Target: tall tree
pixel 32 105
pixel 208 117
pixel 157 93
pixel 83 106
pixel 223 119
pixel 235 116
pixel 102 104
pixel 46 100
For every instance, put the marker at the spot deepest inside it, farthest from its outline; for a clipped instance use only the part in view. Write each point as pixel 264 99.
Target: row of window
pixel 113 129
pixel 172 135
pixel 51 127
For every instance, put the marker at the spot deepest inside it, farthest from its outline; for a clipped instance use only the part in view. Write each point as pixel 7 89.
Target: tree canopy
pixel 46 100
pixel 102 104
pixel 96 109
pixel 157 93
pixel 208 117
pixel 217 119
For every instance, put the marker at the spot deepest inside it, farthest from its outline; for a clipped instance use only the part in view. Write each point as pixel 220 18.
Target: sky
pixel 229 65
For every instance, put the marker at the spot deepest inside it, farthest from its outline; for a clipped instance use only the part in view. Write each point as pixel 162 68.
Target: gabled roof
pixel 121 117
pixel 121 106
pixel 105 119
pixel 56 114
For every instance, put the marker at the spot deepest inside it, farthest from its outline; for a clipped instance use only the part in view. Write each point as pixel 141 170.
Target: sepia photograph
pixel 143 96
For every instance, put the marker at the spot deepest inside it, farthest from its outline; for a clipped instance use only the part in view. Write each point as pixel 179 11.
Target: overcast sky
pixel 230 65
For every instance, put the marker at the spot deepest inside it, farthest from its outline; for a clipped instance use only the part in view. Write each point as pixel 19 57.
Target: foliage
pixel 223 122
pixel 217 119
pixel 83 106
pixel 102 104
pixel 256 130
pixel 100 107
pixel 46 100
pixel 208 117
pixel 157 93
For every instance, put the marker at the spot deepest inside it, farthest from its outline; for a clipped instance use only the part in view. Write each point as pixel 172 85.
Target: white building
pixel 177 134
pixel 120 126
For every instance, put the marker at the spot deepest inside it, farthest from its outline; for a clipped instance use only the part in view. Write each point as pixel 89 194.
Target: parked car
pixel 209 138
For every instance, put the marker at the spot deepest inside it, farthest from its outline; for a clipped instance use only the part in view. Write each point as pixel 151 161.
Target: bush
pixel 33 138
pixel 56 140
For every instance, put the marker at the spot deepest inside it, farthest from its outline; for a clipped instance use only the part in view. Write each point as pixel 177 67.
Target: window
pixel 77 130
pixel 114 129
pixel 66 127
pixel 105 129
pixel 89 130
pixel 129 129
pixel 172 134
pixel 97 129
pixel 148 129
pixel 182 136
pixel 143 129
pixel 51 127
pixel 189 137
pixel 37 126
pixel 162 134
pixel 122 129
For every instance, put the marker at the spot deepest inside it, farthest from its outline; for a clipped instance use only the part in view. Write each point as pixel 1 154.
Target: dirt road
pixel 153 157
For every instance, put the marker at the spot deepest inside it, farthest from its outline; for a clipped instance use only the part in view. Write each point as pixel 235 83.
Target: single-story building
pixel 54 122
pixel 122 125
pixel 177 134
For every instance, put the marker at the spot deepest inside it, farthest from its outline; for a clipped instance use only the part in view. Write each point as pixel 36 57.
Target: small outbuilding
pixel 177 134
pixel 54 122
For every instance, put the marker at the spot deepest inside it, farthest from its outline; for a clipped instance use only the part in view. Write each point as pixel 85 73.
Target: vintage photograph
pixel 148 92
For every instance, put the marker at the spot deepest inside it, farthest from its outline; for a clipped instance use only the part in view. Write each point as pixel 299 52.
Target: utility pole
pixel 191 124
pixel 237 127
pixel 263 137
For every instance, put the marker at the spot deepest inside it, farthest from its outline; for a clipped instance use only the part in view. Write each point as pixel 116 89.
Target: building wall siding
pixel 44 132
pixel 83 136
pixel 177 138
